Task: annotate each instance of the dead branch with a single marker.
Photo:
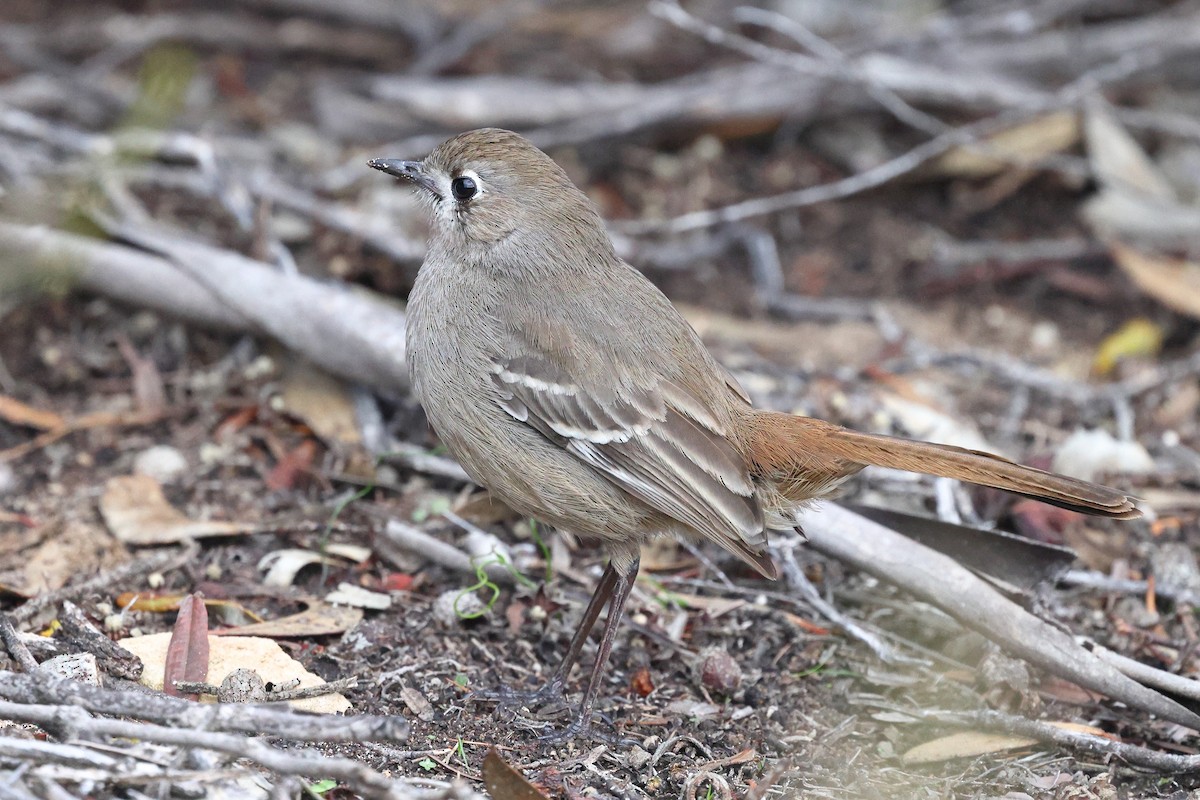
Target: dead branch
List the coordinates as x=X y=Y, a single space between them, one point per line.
x=347 y=333
x=940 y=580
x=141 y=704
x=74 y=723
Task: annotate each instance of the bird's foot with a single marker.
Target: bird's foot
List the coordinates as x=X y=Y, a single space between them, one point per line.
x=548 y=694
x=581 y=728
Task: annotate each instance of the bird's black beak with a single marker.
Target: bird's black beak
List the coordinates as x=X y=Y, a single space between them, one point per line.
x=413 y=171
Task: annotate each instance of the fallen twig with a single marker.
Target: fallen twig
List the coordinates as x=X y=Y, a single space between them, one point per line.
x=75 y=722
x=142 y=704
x=940 y=580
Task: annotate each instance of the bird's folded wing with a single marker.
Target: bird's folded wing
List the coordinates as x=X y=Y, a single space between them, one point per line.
x=660 y=444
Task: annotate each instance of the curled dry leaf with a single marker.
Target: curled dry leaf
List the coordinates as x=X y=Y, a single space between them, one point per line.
x=284 y=565
x=1138 y=337
x=263 y=656
x=1119 y=161
x=135 y=510
x=1090 y=455
x=1135 y=201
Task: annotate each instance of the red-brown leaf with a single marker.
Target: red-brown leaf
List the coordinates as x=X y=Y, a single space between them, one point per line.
x=187 y=654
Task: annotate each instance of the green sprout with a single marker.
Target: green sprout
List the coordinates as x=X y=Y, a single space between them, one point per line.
x=484 y=581
x=542 y=547
x=319 y=788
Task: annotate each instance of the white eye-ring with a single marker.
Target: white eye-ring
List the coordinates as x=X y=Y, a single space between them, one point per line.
x=465 y=186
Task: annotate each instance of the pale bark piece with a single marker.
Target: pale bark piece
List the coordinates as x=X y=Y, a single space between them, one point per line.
x=347 y=594
x=319 y=619
x=263 y=656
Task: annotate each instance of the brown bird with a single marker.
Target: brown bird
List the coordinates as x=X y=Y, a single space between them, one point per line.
x=568 y=385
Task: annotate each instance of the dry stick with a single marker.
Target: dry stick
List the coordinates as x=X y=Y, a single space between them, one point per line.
x=1144 y=673
x=1066 y=97
x=349 y=333
x=798 y=582
x=71 y=755
x=846 y=187
x=267 y=720
x=150 y=281
x=77 y=722
x=416 y=541
x=419 y=459
x=1089 y=579
x=16 y=648
x=938 y=579
x=887 y=97
x=1012 y=370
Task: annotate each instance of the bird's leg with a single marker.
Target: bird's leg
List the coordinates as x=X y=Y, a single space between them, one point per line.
x=622 y=585
x=553 y=689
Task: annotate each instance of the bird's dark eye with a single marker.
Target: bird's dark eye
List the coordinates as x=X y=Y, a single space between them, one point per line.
x=463 y=188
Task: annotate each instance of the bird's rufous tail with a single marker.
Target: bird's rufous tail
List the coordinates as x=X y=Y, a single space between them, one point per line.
x=807 y=457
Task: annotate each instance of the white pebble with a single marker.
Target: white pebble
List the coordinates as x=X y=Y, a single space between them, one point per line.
x=162 y=462
x=456 y=606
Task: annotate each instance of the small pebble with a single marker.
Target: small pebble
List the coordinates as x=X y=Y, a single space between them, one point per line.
x=717 y=671
x=261 y=367
x=162 y=462
x=637 y=757
x=8 y=478
x=1044 y=337
x=454 y=607
x=80 y=667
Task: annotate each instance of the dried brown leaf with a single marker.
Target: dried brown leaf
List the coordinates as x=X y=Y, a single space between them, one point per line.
x=503 y=782
x=135 y=510
x=187 y=653
x=1174 y=282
